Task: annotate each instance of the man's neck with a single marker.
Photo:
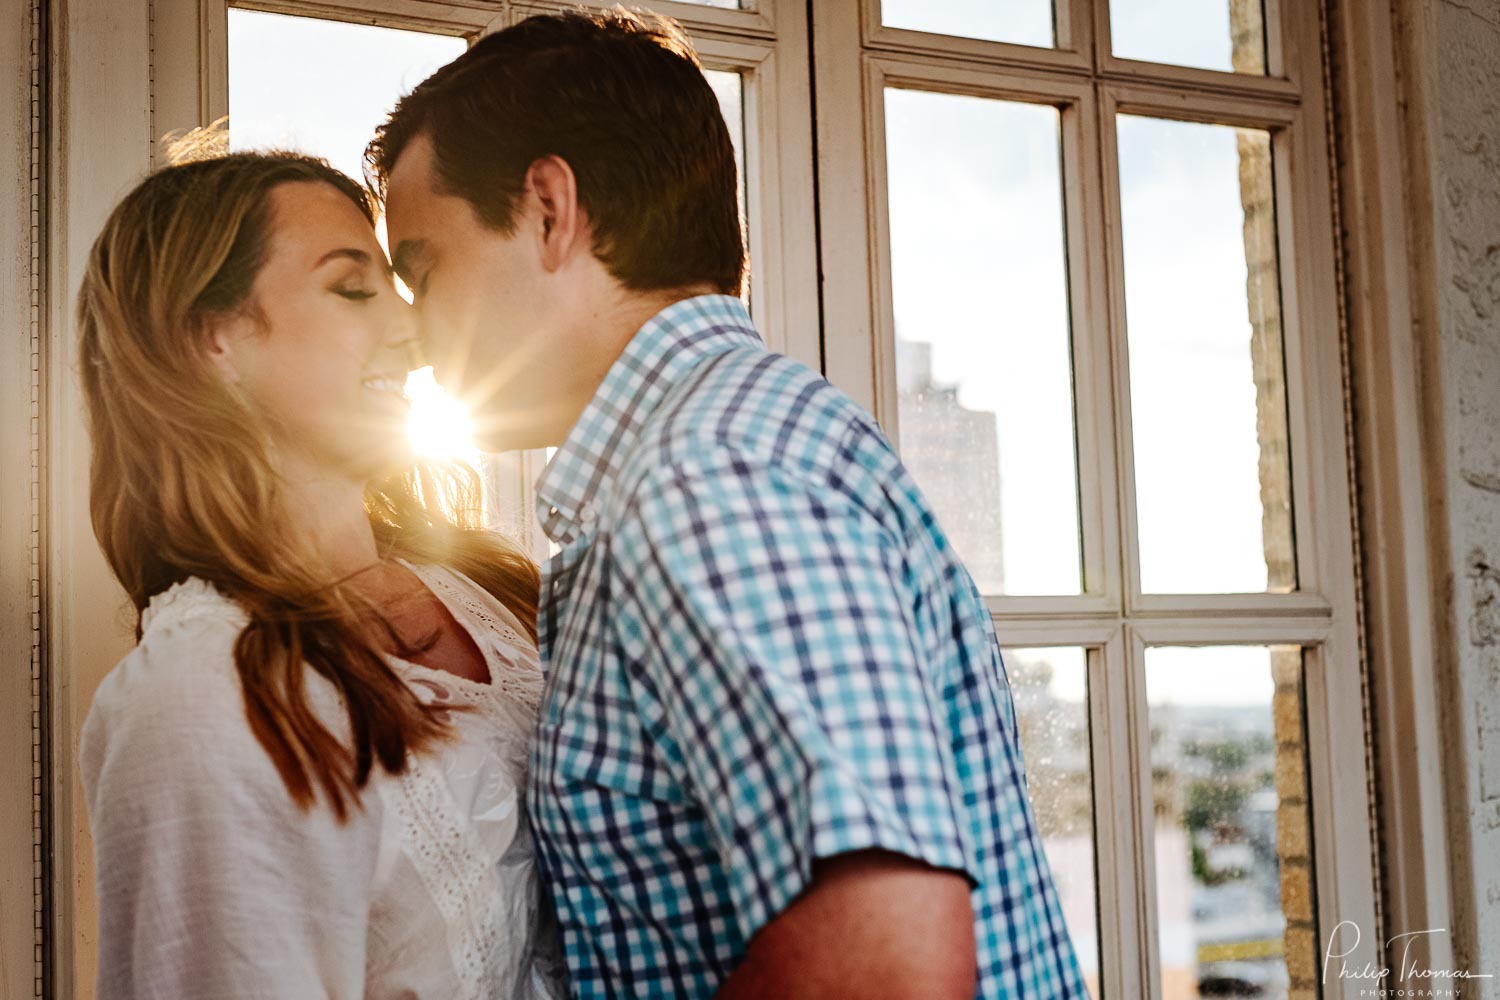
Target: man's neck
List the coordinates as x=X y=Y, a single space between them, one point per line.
x=601 y=335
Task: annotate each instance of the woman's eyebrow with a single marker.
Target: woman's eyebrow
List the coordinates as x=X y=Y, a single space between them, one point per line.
x=349 y=253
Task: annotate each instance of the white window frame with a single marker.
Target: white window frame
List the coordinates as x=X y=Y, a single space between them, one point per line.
x=855 y=57
x=21 y=502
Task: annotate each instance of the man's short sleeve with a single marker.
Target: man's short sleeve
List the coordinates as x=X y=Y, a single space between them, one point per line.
x=770 y=625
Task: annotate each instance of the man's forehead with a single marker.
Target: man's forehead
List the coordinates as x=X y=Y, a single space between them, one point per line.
x=411 y=175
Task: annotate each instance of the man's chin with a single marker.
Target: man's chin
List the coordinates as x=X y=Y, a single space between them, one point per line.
x=501 y=432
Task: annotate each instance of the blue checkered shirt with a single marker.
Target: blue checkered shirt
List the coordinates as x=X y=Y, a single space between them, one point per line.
x=761 y=651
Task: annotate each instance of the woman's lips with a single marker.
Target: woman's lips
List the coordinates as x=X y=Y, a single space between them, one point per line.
x=385 y=384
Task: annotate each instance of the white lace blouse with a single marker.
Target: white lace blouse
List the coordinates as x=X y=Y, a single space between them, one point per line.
x=212 y=883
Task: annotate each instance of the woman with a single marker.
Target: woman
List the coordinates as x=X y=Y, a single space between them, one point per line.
x=306 y=779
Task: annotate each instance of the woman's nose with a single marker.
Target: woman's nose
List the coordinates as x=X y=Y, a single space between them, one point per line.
x=403 y=336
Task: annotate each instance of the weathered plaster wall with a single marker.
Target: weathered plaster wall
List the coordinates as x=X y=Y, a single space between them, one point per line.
x=1462 y=131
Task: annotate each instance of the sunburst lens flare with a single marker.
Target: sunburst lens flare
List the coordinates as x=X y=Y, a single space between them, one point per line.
x=438 y=425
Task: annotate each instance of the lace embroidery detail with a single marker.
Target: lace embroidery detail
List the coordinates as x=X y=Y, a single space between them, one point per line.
x=456 y=870
x=515 y=669
x=495 y=617
x=192 y=598
x=508 y=710
x=456 y=850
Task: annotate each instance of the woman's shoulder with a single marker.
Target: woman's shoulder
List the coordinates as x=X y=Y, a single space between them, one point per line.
x=185 y=653
x=176 y=697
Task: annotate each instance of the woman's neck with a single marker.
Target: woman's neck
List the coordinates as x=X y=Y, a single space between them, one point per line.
x=328 y=520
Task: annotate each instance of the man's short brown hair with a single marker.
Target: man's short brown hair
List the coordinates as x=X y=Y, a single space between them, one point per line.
x=622 y=98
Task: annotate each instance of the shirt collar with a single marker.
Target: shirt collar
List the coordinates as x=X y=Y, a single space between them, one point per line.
x=659 y=355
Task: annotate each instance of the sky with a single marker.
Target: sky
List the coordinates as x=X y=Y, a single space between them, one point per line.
x=977 y=258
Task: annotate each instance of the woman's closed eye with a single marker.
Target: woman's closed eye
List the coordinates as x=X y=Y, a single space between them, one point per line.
x=355 y=294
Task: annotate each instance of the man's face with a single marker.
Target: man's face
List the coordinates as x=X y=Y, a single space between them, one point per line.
x=485 y=305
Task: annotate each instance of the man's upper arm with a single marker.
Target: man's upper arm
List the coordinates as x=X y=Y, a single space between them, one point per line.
x=775 y=640
x=872 y=925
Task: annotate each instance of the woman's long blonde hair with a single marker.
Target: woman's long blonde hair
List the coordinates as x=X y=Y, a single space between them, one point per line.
x=184 y=477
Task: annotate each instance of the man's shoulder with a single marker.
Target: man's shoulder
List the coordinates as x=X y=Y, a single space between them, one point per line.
x=766 y=410
x=770 y=421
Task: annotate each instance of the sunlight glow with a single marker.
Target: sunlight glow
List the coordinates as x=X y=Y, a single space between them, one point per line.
x=439 y=425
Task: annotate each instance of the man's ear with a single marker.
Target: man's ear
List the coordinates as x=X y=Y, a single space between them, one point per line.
x=563 y=225
x=222 y=337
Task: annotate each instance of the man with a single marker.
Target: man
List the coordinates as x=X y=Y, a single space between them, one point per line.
x=778 y=755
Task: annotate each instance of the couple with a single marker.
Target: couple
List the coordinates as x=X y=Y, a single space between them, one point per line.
x=746 y=734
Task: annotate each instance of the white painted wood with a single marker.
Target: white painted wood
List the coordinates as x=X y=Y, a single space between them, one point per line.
x=1012 y=607
x=413 y=15
x=760 y=21
x=100 y=147
x=1397 y=501
x=844 y=201
x=20 y=726
x=1042 y=633
x=949 y=76
x=977 y=50
x=1146 y=97
x=1141 y=834
x=1298 y=604
x=190 y=72
x=883 y=347
x=1279 y=45
x=1115 y=333
x=1124 y=912
x=1099 y=482
x=1244 y=86
x=1250 y=630
x=1344 y=831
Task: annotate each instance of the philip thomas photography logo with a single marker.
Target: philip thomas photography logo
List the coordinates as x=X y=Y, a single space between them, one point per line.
x=1409 y=979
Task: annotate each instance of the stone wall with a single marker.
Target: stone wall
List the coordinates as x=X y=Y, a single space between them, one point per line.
x=1457 y=112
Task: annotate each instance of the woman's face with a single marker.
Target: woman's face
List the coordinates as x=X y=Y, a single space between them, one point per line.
x=321 y=353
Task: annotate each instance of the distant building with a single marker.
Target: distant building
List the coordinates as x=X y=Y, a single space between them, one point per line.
x=954 y=454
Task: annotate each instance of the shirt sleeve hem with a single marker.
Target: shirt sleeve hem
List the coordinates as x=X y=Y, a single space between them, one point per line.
x=831 y=844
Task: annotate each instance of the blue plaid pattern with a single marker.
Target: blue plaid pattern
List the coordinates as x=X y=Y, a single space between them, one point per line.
x=761 y=651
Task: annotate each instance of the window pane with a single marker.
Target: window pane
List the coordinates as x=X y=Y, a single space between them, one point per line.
x=1233 y=847
x=1022 y=22
x=729 y=88
x=1207 y=381
x=1050 y=687
x=1227 y=35
x=983 y=348
x=322 y=86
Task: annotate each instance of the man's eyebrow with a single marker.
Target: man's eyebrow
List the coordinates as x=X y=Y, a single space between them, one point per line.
x=408 y=252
